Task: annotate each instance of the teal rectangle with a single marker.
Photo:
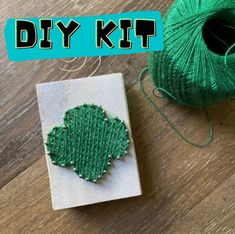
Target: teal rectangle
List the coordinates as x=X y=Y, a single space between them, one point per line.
x=83 y=41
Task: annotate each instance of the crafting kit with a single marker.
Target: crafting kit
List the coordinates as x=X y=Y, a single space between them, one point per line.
x=85 y=122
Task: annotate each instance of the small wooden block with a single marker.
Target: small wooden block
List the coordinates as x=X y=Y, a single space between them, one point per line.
x=122 y=179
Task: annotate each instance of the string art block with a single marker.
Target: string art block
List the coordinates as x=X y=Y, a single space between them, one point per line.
x=102 y=137
x=88 y=141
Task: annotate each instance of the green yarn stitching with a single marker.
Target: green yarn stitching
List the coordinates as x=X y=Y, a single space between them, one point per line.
x=88 y=141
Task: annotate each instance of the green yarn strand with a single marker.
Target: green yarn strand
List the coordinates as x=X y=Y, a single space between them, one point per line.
x=155 y=106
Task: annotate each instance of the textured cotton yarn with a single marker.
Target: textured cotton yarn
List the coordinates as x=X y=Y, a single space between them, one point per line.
x=197 y=66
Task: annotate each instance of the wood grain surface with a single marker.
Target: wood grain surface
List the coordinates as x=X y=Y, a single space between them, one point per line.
x=185 y=189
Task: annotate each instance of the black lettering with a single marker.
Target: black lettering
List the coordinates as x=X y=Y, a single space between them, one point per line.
x=68 y=31
x=125 y=25
x=103 y=32
x=29 y=28
x=46 y=25
x=145 y=29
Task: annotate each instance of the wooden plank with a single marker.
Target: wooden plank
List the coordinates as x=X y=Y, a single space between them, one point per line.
x=175 y=176
x=215 y=214
x=179 y=181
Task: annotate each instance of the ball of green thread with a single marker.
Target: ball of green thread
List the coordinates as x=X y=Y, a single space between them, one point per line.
x=190 y=70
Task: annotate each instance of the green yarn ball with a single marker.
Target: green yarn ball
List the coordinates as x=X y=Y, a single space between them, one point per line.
x=197 y=66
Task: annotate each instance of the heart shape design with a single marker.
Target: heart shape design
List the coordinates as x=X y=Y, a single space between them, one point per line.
x=88 y=141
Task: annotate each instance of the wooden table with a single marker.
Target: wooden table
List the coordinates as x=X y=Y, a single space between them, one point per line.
x=185 y=189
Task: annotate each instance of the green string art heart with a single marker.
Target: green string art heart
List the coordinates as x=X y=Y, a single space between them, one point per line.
x=88 y=141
